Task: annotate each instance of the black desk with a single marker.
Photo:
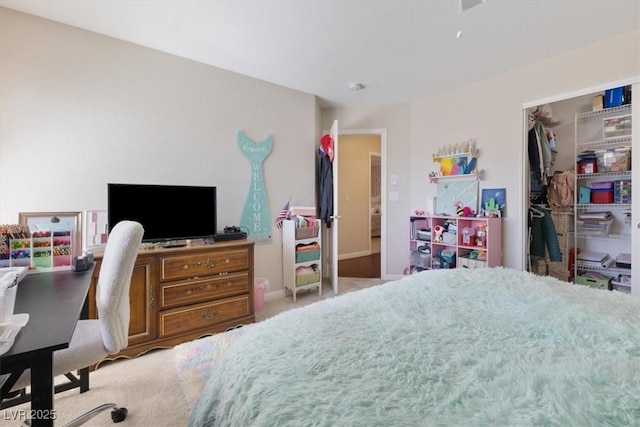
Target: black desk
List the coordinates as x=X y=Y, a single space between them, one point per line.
x=54 y=302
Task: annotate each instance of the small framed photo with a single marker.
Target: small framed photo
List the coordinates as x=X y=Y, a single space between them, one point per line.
x=94 y=229
x=454 y=165
x=616 y=127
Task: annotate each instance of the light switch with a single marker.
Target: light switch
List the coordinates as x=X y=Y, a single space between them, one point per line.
x=394 y=179
x=393 y=196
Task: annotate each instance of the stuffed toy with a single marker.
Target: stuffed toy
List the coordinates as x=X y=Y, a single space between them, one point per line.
x=438 y=230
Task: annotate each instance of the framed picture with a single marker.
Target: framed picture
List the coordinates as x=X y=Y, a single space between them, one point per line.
x=455 y=165
x=94 y=229
x=56 y=223
x=493 y=202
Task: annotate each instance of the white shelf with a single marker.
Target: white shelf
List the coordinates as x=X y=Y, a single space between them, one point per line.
x=289 y=264
x=476 y=175
x=603 y=112
x=589 y=135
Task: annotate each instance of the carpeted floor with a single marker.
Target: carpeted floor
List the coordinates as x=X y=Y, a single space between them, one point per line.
x=153 y=399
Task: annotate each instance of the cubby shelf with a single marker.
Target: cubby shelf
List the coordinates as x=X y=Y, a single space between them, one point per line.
x=426 y=252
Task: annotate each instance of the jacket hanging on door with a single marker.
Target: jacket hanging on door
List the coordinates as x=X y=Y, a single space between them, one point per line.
x=325 y=179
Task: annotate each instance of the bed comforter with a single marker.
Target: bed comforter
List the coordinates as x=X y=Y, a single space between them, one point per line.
x=485 y=347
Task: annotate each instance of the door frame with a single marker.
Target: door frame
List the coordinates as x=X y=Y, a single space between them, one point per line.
x=524 y=191
x=382 y=133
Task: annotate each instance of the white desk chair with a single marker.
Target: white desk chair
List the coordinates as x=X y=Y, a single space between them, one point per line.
x=94 y=339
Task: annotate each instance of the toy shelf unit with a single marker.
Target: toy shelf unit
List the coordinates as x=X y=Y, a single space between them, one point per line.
x=301 y=255
x=454 y=242
x=603 y=208
x=44 y=250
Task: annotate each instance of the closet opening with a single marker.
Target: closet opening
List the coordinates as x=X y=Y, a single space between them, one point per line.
x=572 y=215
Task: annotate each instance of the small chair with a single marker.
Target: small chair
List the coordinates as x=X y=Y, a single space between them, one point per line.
x=94 y=339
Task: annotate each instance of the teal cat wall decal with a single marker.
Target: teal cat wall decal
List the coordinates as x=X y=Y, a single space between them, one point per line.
x=256 y=217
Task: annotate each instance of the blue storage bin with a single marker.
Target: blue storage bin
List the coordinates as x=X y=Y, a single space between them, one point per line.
x=613 y=97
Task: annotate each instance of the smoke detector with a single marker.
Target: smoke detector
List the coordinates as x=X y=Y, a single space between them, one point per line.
x=355 y=86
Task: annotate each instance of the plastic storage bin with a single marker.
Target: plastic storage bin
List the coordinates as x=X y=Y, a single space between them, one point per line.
x=601 y=196
x=594 y=280
x=588 y=166
x=260 y=285
x=595 y=228
x=614 y=160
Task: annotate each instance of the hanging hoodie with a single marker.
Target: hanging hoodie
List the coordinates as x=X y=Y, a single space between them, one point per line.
x=325 y=179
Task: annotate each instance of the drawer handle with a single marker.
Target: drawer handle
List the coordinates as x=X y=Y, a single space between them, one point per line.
x=209 y=315
x=194 y=265
x=196 y=290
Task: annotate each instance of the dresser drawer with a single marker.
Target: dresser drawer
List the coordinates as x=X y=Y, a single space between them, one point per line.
x=200 y=290
x=201 y=316
x=203 y=264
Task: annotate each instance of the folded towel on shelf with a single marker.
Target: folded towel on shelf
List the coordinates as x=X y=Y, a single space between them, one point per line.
x=301 y=271
x=307 y=248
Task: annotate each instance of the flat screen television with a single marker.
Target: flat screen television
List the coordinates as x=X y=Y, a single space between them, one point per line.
x=167 y=212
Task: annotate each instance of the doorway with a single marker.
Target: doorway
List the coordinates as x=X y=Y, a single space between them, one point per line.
x=360 y=172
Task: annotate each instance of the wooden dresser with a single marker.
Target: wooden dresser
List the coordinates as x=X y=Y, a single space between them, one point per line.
x=179 y=294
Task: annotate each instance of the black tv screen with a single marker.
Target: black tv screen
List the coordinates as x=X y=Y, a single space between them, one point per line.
x=167 y=212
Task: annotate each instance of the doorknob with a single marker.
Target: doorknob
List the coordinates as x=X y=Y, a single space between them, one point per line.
x=638 y=225
x=340 y=217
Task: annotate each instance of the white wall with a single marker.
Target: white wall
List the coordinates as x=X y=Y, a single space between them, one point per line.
x=491 y=111
x=80 y=110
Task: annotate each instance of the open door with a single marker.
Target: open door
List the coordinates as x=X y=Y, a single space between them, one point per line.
x=333 y=232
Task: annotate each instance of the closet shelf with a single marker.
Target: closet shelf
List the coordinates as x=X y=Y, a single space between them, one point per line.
x=607 y=237
x=597 y=206
x=606 y=143
x=603 y=269
x=619 y=109
x=623 y=174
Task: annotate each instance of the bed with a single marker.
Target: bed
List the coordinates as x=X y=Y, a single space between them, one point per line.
x=481 y=347
x=376 y=216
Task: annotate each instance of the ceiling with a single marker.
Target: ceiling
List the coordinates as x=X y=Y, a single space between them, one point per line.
x=401 y=51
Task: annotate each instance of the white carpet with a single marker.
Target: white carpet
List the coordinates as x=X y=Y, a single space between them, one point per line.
x=147 y=386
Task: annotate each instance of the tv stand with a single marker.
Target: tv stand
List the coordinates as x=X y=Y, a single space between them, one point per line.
x=182 y=294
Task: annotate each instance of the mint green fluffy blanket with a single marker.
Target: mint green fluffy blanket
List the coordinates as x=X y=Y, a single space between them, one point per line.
x=485 y=347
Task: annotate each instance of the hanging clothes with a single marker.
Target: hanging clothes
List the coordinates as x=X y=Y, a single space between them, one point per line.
x=325 y=179
x=535 y=159
x=545 y=148
x=543 y=234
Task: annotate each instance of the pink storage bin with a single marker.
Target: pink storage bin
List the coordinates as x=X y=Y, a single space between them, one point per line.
x=260 y=284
